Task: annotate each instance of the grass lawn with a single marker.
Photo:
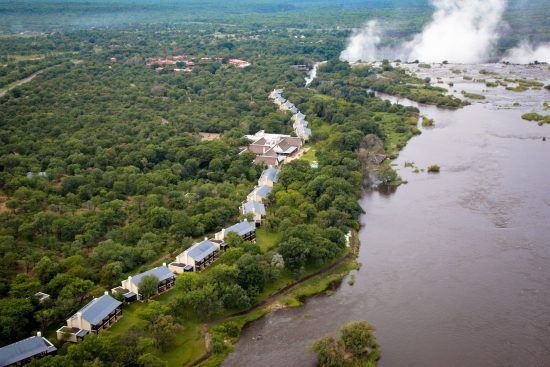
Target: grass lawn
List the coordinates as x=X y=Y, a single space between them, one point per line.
x=129 y=318
x=310 y=155
x=189 y=343
x=266 y=240
x=189 y=346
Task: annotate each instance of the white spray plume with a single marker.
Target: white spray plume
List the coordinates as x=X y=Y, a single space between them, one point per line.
x=460 y=31
x=526 y=53
x=363 y=44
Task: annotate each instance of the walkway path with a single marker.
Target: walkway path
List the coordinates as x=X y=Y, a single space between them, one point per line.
x=20 y=82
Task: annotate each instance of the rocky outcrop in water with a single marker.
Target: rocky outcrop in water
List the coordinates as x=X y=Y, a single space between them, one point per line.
x=371 y=154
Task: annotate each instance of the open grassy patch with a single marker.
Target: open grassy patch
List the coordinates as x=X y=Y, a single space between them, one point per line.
x=267 y=240
x=189 y=346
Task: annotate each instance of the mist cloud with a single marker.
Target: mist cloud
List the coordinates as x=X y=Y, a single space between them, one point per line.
x=526 y=53
x=363 y=44
x=460 y=31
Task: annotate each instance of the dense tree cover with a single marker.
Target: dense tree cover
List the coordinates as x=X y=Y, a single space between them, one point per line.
x=356 y=346
x=121 y=186
x=401 y=18
x=15 y=69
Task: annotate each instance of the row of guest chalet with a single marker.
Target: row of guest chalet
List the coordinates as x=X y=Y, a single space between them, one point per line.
x=298 y=118
x=276 y=149
x=254 y=204
x=102 y=312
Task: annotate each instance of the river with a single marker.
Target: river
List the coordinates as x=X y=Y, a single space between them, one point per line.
x=456 y=265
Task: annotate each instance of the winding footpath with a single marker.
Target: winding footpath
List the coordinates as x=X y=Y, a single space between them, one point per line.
x=20 y=82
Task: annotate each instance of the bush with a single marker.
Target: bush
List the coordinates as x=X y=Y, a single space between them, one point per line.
x=426 y=121
x=433 y=168
x=357 y=337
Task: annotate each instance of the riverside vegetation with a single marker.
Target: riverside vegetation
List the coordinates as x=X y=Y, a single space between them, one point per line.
x=355 y=347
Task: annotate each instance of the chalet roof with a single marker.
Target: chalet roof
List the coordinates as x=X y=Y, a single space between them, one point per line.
x=23 y=349
x=288 y=104
x=299 y=116
x=262 y=191
x=289 y=150
x=253 y=206
x=241 y=228
x=271 y=173
x=266 y=160
x=300 y=123
x=161 y=272
x=271 y=152
x=98 y=308
x=257 y=149
x=201 y=250
x=290 y=142
x=293 y=109
x=260 y=141
x=301 y=131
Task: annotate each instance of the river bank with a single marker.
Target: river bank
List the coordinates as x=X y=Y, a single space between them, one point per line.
x=452 y=262
x=295 y=294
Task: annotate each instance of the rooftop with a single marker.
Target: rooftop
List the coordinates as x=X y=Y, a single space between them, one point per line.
x=270 y=173
x=262 y=191
x=201 y=250
x=161 y=272
x=98 y=308
x=253 y=206
x=24 y=349
x=300 y=130
x=263 y=138
x=241 y=228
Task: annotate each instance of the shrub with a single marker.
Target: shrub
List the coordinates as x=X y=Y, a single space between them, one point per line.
x=433 y=168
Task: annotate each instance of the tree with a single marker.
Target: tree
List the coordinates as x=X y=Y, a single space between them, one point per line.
x=294 y=253
x=387 y=174
x=329 y=352
x=251 y=274
x=24 y=286
x=277 y=261
x=148 y=286
x=111 y=272
x=357 y=337
x=46 y=269
x=77 y=290
x=15 y=317
x=235 y=297
x=164 y=330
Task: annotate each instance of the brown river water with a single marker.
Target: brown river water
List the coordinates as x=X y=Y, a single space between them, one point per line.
x=456 y=265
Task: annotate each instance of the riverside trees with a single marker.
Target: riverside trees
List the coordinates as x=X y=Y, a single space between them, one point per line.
x=356 y=346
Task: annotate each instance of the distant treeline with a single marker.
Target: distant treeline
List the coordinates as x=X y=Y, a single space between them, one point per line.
x=401 y=18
